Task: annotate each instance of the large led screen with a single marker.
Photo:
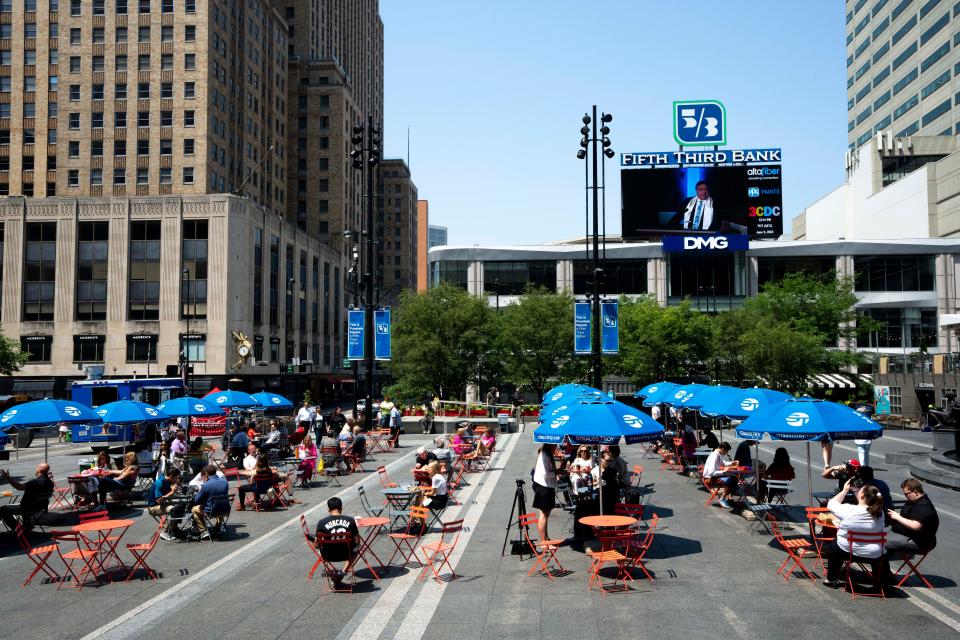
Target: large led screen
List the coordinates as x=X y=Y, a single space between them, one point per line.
x=702 y=200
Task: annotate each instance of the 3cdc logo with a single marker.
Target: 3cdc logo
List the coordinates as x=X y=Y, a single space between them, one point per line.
x=763 y=212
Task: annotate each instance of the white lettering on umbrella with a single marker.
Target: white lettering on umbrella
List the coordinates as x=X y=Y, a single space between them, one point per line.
x=8 y=415
x=200 y=408
x=559 y=422
x=797 y=419
x=652 y=390
x=632 y=421
x=749 y=404
x=72 y=411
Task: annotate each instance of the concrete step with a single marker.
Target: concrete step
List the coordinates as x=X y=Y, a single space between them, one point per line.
x=925 y=469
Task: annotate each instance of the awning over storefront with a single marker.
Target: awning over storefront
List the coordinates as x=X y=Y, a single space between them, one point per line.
x=831 y=381
x=33 y=387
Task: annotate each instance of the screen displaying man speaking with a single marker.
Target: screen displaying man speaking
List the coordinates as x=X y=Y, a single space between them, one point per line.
x=702 y=200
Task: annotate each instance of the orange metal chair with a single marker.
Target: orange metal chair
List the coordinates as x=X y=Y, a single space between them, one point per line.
x=906 y=557
x=631 y=510
x=821 y=538
x=312 y=545
x=545 y=551
x=330 y=569
x=637 y=548
x=86 y=557
x=611 y=541
x=38 y=555
x=861 y=537
x=796 y=548
x=62 y=498
x=441 y=551
x=406 y=541
x=141 y=551
x=384 y=480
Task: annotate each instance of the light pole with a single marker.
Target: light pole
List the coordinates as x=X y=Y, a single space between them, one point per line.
x=496 y=286
x=287 y=322
x=186 y=338
x=597 y=138
x=366 y=154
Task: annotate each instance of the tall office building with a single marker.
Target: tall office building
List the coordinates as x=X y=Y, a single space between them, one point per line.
x=436 y=236
x=142 y=97
x=423 y=221
x=398 y=230
x=335 y=83
x=903 y=57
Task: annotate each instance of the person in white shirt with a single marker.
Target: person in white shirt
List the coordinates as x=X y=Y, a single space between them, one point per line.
x=698 y=214
x=715 y=471
x=304 y=416
x=581 y=467
x=864 y=517
x=544 y=488
x=273 y=438
x=250 y=461
x=438 y=487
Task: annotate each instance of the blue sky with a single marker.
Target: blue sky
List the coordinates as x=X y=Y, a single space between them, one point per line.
x=493 y=93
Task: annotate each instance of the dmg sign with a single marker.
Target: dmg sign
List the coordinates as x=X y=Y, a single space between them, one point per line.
x=706 y=243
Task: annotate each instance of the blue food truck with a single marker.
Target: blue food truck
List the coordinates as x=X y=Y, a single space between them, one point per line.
x=94 y=393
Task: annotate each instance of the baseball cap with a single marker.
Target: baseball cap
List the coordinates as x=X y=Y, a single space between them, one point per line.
x=853 y=463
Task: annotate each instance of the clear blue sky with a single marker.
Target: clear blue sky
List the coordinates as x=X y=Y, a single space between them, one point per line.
x=493 y=92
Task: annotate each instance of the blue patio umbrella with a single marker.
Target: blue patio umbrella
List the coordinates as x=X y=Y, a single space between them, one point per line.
x=567 y=392
x=129 y=411
x=651 y=388
x=597 y=422
x=739 y=404
x=41 y=413
x=808 y=419
x=189 y=406
x=702 y=396
x=684 y=393
x=232 y=399
x=272 y=400
x=659 y=395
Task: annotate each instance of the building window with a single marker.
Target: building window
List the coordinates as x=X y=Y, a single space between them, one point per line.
x=274 y=281
x=894 y=273
x=711 y=281
x=189 y=90
x=73 y=178
x=96 y=177
x=188 y=118
x=194 y=255
x=188 y=175
x=622 y=276
x=144 y=285
x=88 y=348
x=141 y=348
x=194 y=347
x=39 y=348
x=120 y=91
x=143 y=62
x=39 y=277
x=166 y=118
x=166 y=175
x=120 y=63
x=901 y=328
x=188 y=146
x=120 y=35
x=190 y=61
x=190 y=33
x=896 y=401
x=451 y=271
x=92 y=253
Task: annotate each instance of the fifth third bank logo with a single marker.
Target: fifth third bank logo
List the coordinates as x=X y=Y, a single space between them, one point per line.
x=699 y=122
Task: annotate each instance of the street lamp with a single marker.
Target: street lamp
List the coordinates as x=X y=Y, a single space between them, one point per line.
x=366 y=154
x=496 y=286
x=598 y=139
x=186 y=337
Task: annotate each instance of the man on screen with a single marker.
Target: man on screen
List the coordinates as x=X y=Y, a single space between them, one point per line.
x=698 y=214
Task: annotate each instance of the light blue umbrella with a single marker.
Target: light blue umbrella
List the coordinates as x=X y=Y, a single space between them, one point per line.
x=41 y=413
x=807 y=419
x=739 y=404
x=684 y=393
x=566 y=392
x=652 y=388
x=272 y=400
x=664 y=390
x=129 y=411
x=188 y=406
x=702 y=396
x=232 y=399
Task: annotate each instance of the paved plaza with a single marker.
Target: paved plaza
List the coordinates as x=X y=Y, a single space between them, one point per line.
x=711 y=575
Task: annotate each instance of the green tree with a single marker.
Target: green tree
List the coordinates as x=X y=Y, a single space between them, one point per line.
x=537 y=335
x=782 y=355
x=726 y=360
x=658 y=343
x=11 y=358
x=441 y=341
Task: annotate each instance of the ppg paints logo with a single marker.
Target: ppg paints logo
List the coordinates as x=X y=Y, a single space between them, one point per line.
x=749 y=404
x=798 y=419
x=753 y=192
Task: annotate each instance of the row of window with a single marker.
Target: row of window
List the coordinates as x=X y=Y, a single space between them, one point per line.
x=120 y=176
x=91 y=348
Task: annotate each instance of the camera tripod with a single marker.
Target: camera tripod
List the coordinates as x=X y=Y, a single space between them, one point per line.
x=519 y=507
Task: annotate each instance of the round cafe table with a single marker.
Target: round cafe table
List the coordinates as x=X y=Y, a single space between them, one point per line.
x=375 y=526
x=104 y=544
x=608 y=522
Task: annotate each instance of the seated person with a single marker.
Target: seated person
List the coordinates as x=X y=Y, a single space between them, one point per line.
x=688 y=441
x=263 y=479
x=328 y=440
x=272 y=440
x=717 y=470
x=337 y=523
x=744 y=453
x=197 y=454
x=865 y=517
x=238 y=444
x=307 y=455
x=580 y=469
x=486 y=443
x=460 y=444
x=619 y=464
x=104 y=462
x=178 y=447
x=914 y=529
x=358 y=448
x=606 y=474
x=708 y=438
x=158 y=499
x=779 y=469
x=423 y=457
x=120 y=480
x=250 y=461
x=210 y=499
x=346 y=437
x=865 y=476
x=197 y=482
x=36 y=497
x=437 y=492
x=842 y=472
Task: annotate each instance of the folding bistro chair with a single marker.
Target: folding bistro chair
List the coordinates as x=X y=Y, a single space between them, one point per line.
x=330 y=569
x=216 y=515
x=545 y=551
x=630 y=510
x=38 y=555
x=611 y=543
x=796 y=548
x=637 y=548
x=62 y=498
x=861 y=537
x=822 y=537
x=83 y=555
x=406 y=540
x=331 y=463
x=313 y=546
x=914 y=566
x=141 y=551
x=715 y=487
x=384 y=480
x=110 y=541
x=370 y=510
x=440 y=551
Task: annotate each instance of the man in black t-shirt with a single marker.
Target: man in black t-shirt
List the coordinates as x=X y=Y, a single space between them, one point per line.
x=914 y=529
x=337 y=523
x=36 y=497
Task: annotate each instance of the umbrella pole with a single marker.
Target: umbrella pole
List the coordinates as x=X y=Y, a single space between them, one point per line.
x=45 y=446
x=809 y=478
x=600 y=479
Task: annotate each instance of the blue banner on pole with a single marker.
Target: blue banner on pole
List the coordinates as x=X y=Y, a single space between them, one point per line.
x=355 y=334
x=381 y=341
x=610 y=331
x=581 y=327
